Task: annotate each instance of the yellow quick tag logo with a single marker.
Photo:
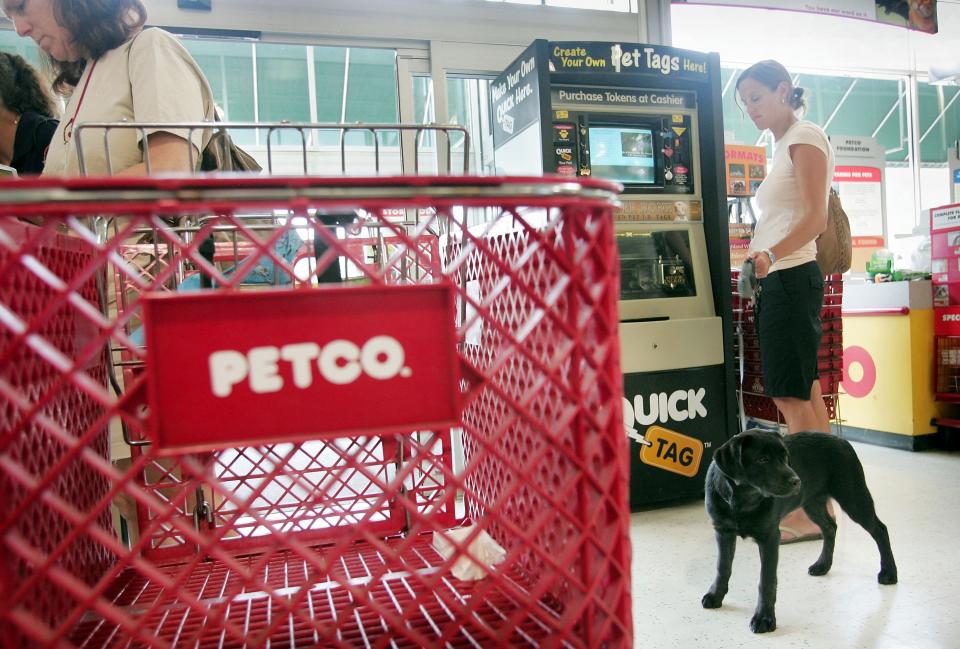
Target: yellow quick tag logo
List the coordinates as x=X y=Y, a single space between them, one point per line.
x=672 y=451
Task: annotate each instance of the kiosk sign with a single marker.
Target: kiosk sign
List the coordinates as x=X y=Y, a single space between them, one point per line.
x=627 y=59
x=231 y=368
x=623 y=97
x=516 y=98
x=672 y=451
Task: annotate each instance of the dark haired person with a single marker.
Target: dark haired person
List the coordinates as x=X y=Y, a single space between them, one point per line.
x=113 y=69
x=27 y=119
x=793 y=212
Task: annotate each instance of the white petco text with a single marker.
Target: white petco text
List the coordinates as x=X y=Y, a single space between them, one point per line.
x=338 y=362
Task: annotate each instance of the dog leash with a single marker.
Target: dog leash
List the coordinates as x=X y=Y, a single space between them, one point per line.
x=747 y=287
x=743 y=412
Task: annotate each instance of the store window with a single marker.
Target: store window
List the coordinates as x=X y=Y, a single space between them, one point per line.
x=329 y=65
x=371 y=97
x=841 y=105
x=938 y=126
x=283 y=88
x=468 y=104
x=938 y=121
x=10 y=42
x=271 y=82
x=228 y=66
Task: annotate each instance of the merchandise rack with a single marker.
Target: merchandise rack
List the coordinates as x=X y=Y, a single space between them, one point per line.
x=324 y=542
x=755 y=404
x=946 y=343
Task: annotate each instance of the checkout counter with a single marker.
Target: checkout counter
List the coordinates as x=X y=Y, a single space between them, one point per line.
x=887 y=392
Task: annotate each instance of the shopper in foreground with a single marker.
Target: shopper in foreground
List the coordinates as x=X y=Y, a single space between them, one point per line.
x=112 y=69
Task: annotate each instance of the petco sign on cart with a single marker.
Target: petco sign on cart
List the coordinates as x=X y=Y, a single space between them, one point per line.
x=230 y=368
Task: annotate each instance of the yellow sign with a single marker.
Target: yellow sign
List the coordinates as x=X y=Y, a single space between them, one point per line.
x=561 y=114
x=679 y=130
x=672 y=451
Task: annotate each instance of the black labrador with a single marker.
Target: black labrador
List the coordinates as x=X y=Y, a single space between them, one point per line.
x=758 y=477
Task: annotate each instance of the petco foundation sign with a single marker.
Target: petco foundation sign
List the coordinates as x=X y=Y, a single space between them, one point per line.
x=233 y=369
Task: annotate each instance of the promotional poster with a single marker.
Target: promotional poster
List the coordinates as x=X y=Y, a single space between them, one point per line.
x=859 y=178
x=920 y=15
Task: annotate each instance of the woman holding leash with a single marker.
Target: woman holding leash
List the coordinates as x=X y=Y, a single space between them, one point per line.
x=793 y=212
x=113 y=69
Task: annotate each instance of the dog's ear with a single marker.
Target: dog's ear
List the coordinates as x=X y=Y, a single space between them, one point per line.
x=728 y=457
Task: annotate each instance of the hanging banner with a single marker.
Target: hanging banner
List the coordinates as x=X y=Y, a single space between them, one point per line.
x=920 y=15
x=858 y=177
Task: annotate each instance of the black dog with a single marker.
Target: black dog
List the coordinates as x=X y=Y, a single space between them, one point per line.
x=757 y=477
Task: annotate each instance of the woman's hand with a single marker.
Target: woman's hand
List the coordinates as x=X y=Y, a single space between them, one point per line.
x=761 y=264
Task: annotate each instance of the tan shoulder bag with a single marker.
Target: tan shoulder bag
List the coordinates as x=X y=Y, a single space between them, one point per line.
x=834 y=245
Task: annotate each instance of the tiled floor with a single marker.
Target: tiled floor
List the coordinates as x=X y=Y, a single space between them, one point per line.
x=917 y=496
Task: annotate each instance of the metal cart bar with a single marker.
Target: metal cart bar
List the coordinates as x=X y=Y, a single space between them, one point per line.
x=181 y=190
x=376 y=130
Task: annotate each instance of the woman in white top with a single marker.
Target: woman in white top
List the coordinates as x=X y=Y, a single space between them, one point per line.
x=112 y=69
x=793 y=212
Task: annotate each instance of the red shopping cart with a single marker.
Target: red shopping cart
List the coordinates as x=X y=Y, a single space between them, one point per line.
x=234 y=463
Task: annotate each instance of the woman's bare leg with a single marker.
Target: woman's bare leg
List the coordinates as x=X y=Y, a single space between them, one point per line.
x=820 y=409
x=800 y=415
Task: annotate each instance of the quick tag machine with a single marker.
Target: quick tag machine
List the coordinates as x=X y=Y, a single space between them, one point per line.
x=648 y=117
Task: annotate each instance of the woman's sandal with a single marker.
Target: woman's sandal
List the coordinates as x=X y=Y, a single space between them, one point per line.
x=789 y=535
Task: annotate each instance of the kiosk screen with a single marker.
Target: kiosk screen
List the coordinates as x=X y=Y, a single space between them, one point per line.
x=623 y=154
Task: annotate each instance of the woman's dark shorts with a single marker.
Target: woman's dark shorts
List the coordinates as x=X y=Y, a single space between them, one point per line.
x=788 y=325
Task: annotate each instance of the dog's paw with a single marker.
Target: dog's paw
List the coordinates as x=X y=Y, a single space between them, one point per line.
x=712 y=600
x=763 y=623
x=819 y=569
x=887 y=577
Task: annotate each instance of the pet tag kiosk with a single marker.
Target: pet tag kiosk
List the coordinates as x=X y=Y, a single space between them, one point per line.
x=648 y=117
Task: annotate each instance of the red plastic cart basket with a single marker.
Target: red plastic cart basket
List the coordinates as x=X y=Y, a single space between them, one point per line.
x=139 y=510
